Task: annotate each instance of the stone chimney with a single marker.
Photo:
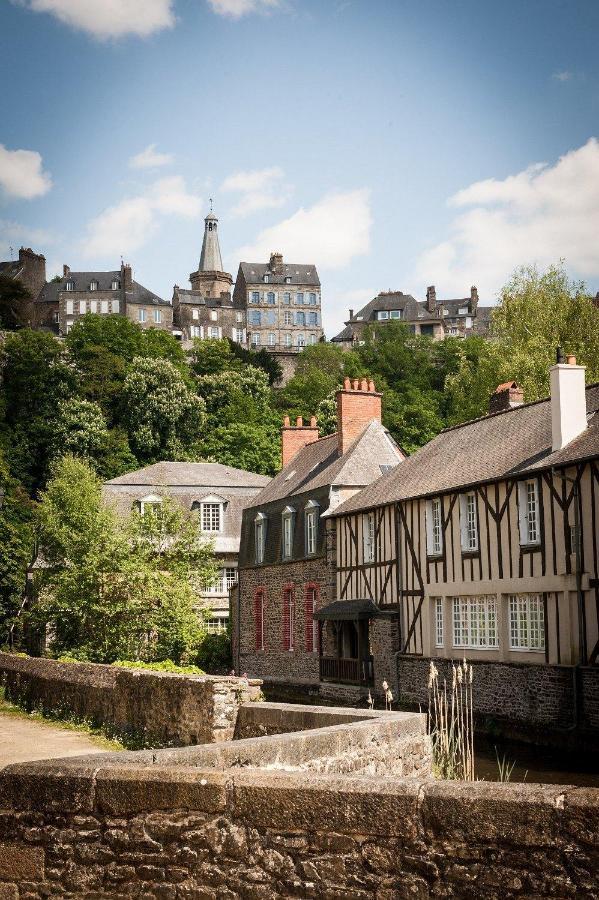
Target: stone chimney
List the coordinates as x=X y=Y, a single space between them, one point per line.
x=506 y=396
x=276 y=263
x=358 y=404
x=568 y=401
x=431 y=299
x=126 y=277
x=473 y=299
x=295 y=437
x=66 y=271
x=351 y=313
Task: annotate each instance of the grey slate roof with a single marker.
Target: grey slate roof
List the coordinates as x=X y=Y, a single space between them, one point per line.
x=319 y=464
x=300 y=274
x=190 y=474
x=495 y=447
x=11 y=267
x=210 y=258
x=196 y=298
x=81 y=282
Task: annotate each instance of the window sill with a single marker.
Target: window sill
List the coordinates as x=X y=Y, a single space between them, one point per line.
x=530 y=548
x=434 y=557
x=470 y=554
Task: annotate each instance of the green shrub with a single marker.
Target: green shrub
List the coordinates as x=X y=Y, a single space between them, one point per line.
x=214 y=654
x=167 y=665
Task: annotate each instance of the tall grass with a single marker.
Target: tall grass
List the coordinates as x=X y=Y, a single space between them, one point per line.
x=451 y=723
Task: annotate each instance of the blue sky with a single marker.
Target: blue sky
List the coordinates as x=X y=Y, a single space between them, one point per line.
x=394 y=143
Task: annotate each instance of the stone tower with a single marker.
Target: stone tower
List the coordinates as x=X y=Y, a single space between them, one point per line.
x=210 y=280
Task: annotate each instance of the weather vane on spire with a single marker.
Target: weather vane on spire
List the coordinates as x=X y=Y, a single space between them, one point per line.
x=211 y=204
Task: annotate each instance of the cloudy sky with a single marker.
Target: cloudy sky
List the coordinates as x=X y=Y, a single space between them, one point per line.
x=394 y=143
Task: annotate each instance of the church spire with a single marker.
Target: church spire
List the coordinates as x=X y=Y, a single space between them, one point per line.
x=210 y=259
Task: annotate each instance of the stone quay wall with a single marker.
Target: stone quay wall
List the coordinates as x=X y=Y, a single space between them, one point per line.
x=537 y=696
x=181 y=833
x=157 y=707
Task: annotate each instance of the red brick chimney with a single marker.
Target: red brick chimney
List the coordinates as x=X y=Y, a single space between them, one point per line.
x=506 y=396
x=295 y=437
x=358 y=404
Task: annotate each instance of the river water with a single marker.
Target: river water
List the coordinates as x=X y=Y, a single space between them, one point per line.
x=536 y=765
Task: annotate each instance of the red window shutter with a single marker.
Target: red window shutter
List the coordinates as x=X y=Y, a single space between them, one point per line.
x=259 y=619
x=286 y=619
x=310 y=624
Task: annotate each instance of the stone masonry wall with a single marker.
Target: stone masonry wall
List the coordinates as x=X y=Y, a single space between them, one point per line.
x=163 y=709
x=179 y=834
x=536 y=695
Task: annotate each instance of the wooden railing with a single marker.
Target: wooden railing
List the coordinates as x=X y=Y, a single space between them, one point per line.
x=354 y=671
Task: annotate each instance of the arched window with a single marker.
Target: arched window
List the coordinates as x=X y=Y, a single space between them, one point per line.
x=311 y=513
x=288 y=618
x=259 y=537
x=288 y=523
x=311 y=627
x=270 y=298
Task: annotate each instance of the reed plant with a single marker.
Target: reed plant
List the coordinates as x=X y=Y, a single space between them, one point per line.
x=451 y=722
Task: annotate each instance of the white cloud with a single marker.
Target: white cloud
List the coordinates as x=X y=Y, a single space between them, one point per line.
x=126 y=227
x=259 y=189
x=21 y=174
x=235 y=9
x=150 y=159
x=105 y=19
x=329 y=234
x=339 y=302
x=562 y=76
x=13 y=233
x=540 y=215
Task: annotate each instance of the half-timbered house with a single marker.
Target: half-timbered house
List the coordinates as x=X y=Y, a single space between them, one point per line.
x=484 y=543
x=284 y=576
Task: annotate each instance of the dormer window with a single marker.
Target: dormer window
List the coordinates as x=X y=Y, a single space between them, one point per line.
x=211 y=515
x=116 y=284
x=69 y=286
x=259 y=537
x=311 y=513
x=93 y=285
x=382 y=314
x=149 y=505
x=287 y=279
x=463 y=311
x=288 y=528
x=266 y=279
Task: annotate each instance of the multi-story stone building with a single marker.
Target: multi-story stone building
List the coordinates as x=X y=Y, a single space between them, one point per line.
x=30 y=270
x=431 y=318
x=106 y=293
x=207 y=310
x=283 y=575
x=283 y=302
x=215 y=493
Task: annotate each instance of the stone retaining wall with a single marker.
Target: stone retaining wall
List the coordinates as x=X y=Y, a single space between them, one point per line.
x=187 y=834
x=157 y=707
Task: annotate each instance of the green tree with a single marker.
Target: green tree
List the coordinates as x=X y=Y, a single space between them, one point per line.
x=115 y=334
x=210 y=357
x=251 y=447
x=16 y=306
x=80 y=429
x=113 y=589
x=163 y=417
x=302 y=393
x=16 y=547
x=101 y=377
x=227 y=388
x=328 y=358
x=157 y=344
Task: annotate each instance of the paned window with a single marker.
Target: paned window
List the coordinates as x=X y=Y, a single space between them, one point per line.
x=475 y=622
x=259 y=537
x=396 y=313
x=368 y=537
x=312 y=298
x=527 y=622
x=288 y=619
x=255 y=317
x=287 y=317
x=93 y=306
x=196 y=331
x=214 y=331
x=69 y=307
x=158 y=316
x=195 y=314
x=434 y=527
x=259 y=618
x=211 y=514
x=288 y=340
x=287 y=297
x=311 y=625
x=288 y=522
x=312 y=338
x=311 y=525
x=239 y=317
x=115 y=285
x=382 y=314
x=239 y=335
x=529 y=512
x=300 y=318
x=229 y=578
x=69 y=285
x=141 y=315
x=256 y=339
x=439 y=630
x=301 y=340
x=299 y=299
x=266 y=279
x=93 y=285
x=270 y=298
x=103 y=306
x=469 y=522
x=213 y=315
x=272 y=339
x=116 y=306
x=255 y=297
x=312 y=318
x=82 y=307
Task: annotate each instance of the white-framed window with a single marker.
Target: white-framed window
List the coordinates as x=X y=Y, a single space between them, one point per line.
x=396 y=313
x=141 y=315
x=196 y=331
x=239 y=335
x=157 y=316
x=266 y=278
x=288 y=340
x=149 y=504
x=529 y=519
x=211 y=516
x=239 y=317
x=312 y=299
x=116 y=305
x=215 y=331
x=103 y=306
x=287 y=317
x=272 y=339
x=299 y=298
x=254 y=296
x=463 y=311
x=213 y=315
x=382 y=314
x=195 y=314
x=271 y=298
x=439 y=622
x=368 y=537
x=93 y=285
x=468 y=522
x=312 y=338
x=287 y=279
x=229 y=578
x=475 y=622
x=255 y=339
x=93 y=306
x=82 y=307
x=311 y=512
x=69 y=286
x=69 y=325
x=69 y=307
x=115 y=284
x=434 y=527
x=259 y=537
x=287 y=295
x=526 y=622
x=288 y=519
x=301 y=340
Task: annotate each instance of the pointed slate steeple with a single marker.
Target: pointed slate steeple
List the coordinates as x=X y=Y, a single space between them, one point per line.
x=210 y=279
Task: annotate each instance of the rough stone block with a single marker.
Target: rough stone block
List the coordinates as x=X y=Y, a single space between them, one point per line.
x=20 y=863
x=46 y=786
x=9 y=892
x=130 y=790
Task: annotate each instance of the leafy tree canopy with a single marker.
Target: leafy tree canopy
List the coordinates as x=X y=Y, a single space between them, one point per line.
x=16 y=308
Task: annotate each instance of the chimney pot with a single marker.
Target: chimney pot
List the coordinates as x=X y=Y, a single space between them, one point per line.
x=295 y=437
x=364 y=384
x=506 y=396
x=351 y=313
x=346 y=384
x=286 y=422
x=356 y=385
x=371 y=385
x=312 y=421
x=299 y=422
